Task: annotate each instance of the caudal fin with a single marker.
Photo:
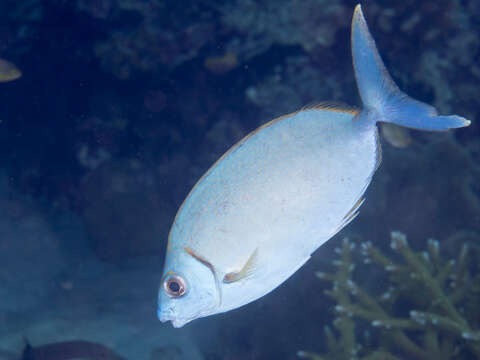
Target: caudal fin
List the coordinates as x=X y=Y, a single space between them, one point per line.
x=381 y=97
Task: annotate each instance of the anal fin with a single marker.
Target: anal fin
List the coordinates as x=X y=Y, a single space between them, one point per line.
x=353 y=212
x=349 y=216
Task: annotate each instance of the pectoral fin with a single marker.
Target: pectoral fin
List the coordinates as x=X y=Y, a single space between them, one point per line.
x=246 y=271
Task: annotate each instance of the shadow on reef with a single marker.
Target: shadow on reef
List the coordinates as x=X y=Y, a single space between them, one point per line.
x=428 y=308
x=70 y=350
x=86 y=350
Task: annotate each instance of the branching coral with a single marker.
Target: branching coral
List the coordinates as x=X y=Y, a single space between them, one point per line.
x=437 y=294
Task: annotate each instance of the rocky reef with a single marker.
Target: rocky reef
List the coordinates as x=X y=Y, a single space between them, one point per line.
x=423 y=306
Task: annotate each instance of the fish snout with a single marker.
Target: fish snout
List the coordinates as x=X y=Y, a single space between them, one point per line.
x=169 y=314
x=166 y=314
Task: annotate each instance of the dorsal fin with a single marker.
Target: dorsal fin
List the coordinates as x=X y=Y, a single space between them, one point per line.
x=331 y=106
x=245 y=271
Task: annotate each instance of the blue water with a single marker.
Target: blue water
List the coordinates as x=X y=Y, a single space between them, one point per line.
x=123 y=105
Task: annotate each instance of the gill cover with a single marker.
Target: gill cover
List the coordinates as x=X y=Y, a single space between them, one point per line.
x=194 y=293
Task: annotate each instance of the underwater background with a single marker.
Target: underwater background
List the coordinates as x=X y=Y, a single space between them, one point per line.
x=123 y=104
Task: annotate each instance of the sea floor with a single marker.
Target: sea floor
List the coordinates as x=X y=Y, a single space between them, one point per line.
x=112 y=307
x=51 y=293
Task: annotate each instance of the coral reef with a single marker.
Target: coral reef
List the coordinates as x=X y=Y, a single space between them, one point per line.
x=149 y=38
x=424 y=309
x=299 y=81
x=152 y=34
x=259 y=25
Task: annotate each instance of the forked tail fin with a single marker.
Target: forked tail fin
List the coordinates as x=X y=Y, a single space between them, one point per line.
x=381 y=97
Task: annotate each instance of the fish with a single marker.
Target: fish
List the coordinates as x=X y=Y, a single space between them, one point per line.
x=395 y=135
x=221 y=64
x=9 y=71
x=261 y=210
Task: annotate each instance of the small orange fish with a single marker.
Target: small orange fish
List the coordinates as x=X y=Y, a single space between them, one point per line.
x=8 y=71
x=221 y=64
x=395 y=135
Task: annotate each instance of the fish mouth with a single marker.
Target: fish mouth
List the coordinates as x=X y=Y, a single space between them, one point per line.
x=179 y=323
x=169 y=315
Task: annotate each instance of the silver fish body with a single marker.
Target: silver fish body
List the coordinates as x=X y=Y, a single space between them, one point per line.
x=277 y=195
x=264 y=207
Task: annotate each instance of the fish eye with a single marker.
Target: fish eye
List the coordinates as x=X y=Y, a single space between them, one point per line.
x=175 y=286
